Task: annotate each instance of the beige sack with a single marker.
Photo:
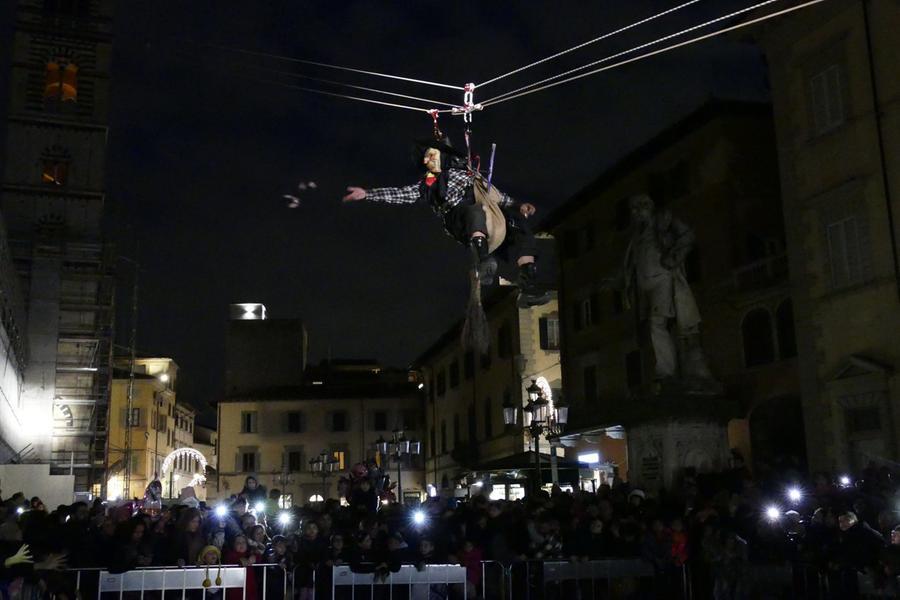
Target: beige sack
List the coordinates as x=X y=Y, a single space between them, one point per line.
x=490 y=202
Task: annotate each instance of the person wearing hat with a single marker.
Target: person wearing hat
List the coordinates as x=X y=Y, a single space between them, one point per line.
x=449 y=187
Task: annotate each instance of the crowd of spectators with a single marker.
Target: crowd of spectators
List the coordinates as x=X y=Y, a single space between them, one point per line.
x=829 y=529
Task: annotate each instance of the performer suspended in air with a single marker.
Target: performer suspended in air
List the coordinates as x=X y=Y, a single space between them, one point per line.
x=450 y=188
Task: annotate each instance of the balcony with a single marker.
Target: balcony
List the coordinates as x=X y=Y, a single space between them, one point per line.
x=761 y=274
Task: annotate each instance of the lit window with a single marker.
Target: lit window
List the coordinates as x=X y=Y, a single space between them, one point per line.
x=316 y=498
x=341 y=457
x=61 y=83
x=55 y=165
x=285 y=501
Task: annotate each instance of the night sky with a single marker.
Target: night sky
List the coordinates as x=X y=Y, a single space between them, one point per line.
x=200 y=155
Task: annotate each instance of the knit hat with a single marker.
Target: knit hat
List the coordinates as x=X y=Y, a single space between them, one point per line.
x=201 y=560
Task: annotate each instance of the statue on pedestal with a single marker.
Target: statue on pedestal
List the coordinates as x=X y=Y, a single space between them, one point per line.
x=654 y=283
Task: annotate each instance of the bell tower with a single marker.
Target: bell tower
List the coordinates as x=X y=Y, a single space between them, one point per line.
x=52 y=195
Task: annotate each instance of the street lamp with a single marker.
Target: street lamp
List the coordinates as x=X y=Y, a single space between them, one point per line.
x=398 y=447
x=323 y=465
x=538 y=419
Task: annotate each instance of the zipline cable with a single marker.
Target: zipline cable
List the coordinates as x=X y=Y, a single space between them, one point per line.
x=589 y=42
x=347 y=96
x=337 y=67
x=660 y=51
x=631 y=50
x=271 y=71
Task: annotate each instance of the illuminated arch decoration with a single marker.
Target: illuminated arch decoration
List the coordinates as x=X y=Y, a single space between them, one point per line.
x=198 y=478
x=542 y=383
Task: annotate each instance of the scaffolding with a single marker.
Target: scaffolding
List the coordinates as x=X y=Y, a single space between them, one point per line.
x=83 y=365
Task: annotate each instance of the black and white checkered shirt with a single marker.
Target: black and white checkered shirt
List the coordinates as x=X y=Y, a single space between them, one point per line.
x=458 y=183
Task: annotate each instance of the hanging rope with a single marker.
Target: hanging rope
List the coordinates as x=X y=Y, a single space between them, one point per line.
x=336 y=67
x=663 y=50
x=593 y=41
x=731 y=15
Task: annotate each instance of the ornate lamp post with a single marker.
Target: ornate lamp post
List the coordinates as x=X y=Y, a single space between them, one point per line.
x=323 y=465
x=398 y=447
x=539 y=418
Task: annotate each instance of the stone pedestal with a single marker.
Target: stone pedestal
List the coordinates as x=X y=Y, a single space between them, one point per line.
x=660 y=450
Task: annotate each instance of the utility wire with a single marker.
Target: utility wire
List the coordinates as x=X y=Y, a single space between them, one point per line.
x=516 y=92
x=660 y=51
x=337 y=67
x=328 y=81
x=589 y=42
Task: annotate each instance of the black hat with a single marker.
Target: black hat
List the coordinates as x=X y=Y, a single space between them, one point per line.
x=443 y=144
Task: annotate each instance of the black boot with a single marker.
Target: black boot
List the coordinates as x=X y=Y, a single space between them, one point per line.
x=529 y=293
x=484 y=262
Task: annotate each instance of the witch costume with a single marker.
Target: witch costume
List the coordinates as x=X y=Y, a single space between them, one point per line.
x=461 y=198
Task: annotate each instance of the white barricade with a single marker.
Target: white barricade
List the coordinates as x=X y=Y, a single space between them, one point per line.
x=171 y=579
x=408 y=575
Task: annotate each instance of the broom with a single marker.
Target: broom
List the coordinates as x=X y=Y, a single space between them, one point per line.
x=475 y=332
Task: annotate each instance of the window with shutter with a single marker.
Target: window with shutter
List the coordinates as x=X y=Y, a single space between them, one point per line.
x=469 y=365
x=587 y=237
x=295 y=422
x=443 y=437
x=586 y=313
x=295 y=461
x=248 y=422
x=826 y=98
x=339 y=421
x=553 y=333
x=488 y=419
x=442 y=383
x=549 y=333
x=846 y=253
x=248 y=462
x=456 y=431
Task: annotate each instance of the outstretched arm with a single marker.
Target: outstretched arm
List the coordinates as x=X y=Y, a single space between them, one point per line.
x=389 y=195
x=527 y=209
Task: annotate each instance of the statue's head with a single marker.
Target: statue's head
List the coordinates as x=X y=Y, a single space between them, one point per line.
x=641 y=206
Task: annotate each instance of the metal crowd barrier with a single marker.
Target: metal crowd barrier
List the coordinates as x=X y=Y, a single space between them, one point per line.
x=419 y=583
x=558 y=579
x=172 y=579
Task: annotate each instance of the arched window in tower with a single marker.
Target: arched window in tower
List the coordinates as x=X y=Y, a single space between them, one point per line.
x=61 y=83
x=784 y=324
x=756 y=332
x=55 y=166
